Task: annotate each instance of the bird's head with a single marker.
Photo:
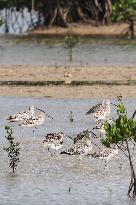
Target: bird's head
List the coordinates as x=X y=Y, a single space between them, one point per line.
x=105 y=102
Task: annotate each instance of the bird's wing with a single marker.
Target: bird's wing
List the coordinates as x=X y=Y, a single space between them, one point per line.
x=94 y=108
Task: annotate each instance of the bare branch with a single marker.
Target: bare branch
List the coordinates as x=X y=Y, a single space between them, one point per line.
x=134 y=114
x=122 y=151
x=122 y=146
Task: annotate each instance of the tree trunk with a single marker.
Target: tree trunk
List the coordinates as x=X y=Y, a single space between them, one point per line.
x=53 y=12
x=107 y=12
x=131 y=28
x=6 y=21
x=132 y=186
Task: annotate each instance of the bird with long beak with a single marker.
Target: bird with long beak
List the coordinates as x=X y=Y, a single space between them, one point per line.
x=101 y=111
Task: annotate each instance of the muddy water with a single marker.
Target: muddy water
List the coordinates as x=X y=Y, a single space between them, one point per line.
x=45 y=51
x=43 y=179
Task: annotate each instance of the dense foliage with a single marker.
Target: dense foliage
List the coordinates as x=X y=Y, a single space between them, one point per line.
x=122 y=129
x=73 y=10
x=122 y=133
x=62 y=12
x=124 y=10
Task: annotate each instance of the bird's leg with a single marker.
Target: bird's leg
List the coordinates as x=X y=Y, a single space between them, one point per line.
x=49 y=151
x=97 y=121
x=106 y=165
x=22 y=131
x=120 y=165
x=34 y=132
x=79 y=159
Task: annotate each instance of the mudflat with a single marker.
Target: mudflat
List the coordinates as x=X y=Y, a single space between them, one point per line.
x=82 y=29
x=44 y=73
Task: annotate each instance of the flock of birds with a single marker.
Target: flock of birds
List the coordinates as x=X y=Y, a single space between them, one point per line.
x=82 y=143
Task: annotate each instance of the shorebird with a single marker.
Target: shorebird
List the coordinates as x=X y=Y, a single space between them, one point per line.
x=100 y=126
x=53 y=141
x=83 y=136
x=82 y=148
x=33 y=121
x=106 y=153
x=22 y=115
x=100 y=111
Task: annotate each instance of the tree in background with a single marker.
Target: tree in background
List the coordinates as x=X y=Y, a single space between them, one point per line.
x=61 y=12
x=1 y=21
x=122 y=133
x=125 y=10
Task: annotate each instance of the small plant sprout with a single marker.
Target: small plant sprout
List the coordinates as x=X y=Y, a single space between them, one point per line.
x=70 y=42
x=71 y=117
x=13 y=150
x=122 y=133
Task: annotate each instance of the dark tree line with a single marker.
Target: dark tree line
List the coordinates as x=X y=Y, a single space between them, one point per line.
x=61 y=12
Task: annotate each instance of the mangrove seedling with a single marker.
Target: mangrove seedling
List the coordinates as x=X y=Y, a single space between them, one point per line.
x=71 y=116
x=122 y=133
x=13 y=150
x=70 y=42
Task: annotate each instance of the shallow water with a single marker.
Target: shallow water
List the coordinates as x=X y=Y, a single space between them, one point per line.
x=43 y=179
x=50 y=51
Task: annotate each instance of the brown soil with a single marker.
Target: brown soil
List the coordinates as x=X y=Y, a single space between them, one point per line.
x=39 y=73
x=84 y=29
x=34 y=73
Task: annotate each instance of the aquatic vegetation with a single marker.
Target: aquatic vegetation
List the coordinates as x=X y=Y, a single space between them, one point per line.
x=122 y=133
x=13 y=150
x=70 y=42
x=71 y=116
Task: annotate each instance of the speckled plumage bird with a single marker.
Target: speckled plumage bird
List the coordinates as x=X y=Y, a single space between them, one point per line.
x=83 y=136
x=53 y=141
x=21 y=116
x=33 y=121
x=100 y=125
x=106 y=153
x=81 y=148
x=100 y=111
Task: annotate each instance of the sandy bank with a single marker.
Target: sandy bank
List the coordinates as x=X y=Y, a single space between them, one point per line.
x=83 y=29
x=37 y=73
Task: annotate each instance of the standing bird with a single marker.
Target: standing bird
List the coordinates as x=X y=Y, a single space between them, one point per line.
x=81 y=148
x=105 y=154
x=33 y=121
x=100 y=126
x=53 y=141
x=83 y=136
x=100 y=111
x=22 y=115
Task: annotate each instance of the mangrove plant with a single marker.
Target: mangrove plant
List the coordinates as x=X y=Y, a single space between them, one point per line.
x=13 y=149
x=122 y=133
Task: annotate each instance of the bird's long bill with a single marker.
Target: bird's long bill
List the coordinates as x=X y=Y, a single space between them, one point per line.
x=93 y=133
x=69 y=137
x=95 y=144
x=114 y=104
x=44 y=112
x=88 y=112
